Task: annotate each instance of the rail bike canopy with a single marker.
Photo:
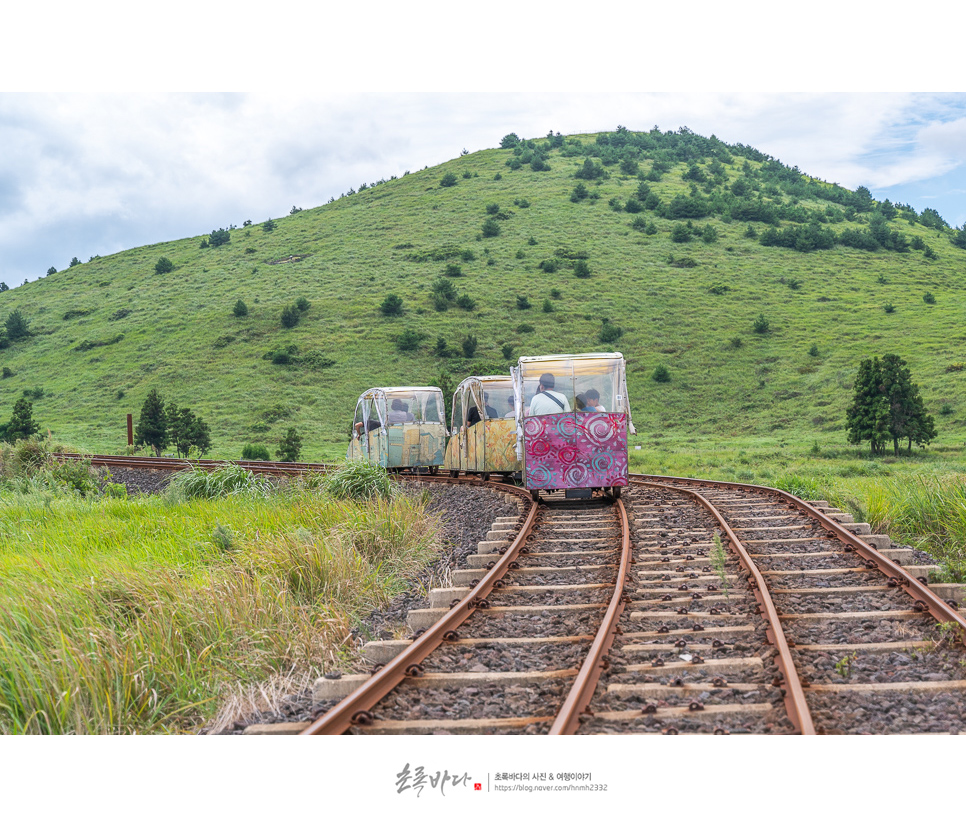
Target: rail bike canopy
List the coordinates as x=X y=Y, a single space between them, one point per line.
x=573 y=417
x=399 y=427
x=574 y=376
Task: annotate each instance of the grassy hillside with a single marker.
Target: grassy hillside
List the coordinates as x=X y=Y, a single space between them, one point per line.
x=104 y=333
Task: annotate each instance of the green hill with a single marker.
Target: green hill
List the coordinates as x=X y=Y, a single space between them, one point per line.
x=665 y=246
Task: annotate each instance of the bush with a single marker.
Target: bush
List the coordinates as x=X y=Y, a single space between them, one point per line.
x=163 y=266
x=453 y=271
x=358 y=480
x=302 y=304
x=291 y=446
x=490 y=227
x=661 y=374
x=464 y=302
x=409 y=339
x=508 y=351
x=610 y=332
x=17 y=326
x=290 y=316
x=929 y=298
x=582 y=269
x=449 y=180
x=392 y=305
x=523 y=303
x=469 y=346
x=760 y=325
x=255 y=451
x=219 y=237
x=240 y=310
x=269 y=225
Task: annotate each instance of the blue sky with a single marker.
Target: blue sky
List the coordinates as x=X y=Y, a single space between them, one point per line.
x=87 y=174
x=120 y=162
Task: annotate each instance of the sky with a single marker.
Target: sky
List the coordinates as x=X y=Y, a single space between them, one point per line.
x=85 y=174
x=119 y=161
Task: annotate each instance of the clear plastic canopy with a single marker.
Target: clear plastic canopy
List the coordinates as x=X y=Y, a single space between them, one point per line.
x=581 y=382
x=401 y=404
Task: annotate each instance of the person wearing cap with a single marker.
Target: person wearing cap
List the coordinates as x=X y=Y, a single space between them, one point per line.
x=546 y=400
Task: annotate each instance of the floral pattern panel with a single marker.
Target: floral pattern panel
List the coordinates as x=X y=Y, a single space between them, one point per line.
x=572 y=451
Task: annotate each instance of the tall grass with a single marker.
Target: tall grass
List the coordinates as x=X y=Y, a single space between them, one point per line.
x=925 y=511
x=137 y=617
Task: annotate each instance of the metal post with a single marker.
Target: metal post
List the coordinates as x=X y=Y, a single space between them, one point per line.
x=130 y=429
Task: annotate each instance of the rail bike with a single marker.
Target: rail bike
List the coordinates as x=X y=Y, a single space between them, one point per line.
x=483 y=438
x=400 y=428
x=573 y=417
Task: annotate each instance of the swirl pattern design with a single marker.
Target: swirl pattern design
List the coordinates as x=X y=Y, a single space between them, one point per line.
x=568 y=451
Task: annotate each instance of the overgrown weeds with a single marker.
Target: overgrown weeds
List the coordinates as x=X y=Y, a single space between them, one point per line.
x=111 y=623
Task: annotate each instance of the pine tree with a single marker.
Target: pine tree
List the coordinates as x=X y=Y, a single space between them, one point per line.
x=887 y=405
x=22 y=424
x=291 y=446
x=187 y=431
x=152 y=427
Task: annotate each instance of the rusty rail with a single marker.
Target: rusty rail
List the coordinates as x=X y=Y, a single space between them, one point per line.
x=355 y=708
x=792 y=689
x=582 y=692
x=920 y=592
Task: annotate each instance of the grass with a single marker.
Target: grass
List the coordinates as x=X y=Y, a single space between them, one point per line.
x=182 y=336
x=147 y=615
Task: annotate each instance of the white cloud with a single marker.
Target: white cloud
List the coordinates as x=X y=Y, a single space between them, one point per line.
x=170 y=165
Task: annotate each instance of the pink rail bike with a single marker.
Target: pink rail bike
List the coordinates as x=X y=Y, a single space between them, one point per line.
x=573 y=417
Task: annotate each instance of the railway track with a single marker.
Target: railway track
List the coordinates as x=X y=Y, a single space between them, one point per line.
x=699 y=607
x=167 y=464
x=744 y=610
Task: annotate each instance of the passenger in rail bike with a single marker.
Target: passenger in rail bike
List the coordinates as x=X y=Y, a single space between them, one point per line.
x=546 y=401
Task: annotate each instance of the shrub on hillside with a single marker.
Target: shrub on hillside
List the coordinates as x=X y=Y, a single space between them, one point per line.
x=761 y=325
x=610 y=332
x=449 y=180
x=490 y=227
x=240 y=310
x=219 y=237
x=163 y=266
x=302 y=304
x=661 y=374
x=409 y=339
x=392 y=305
x=17 y=326
x=290 y=316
